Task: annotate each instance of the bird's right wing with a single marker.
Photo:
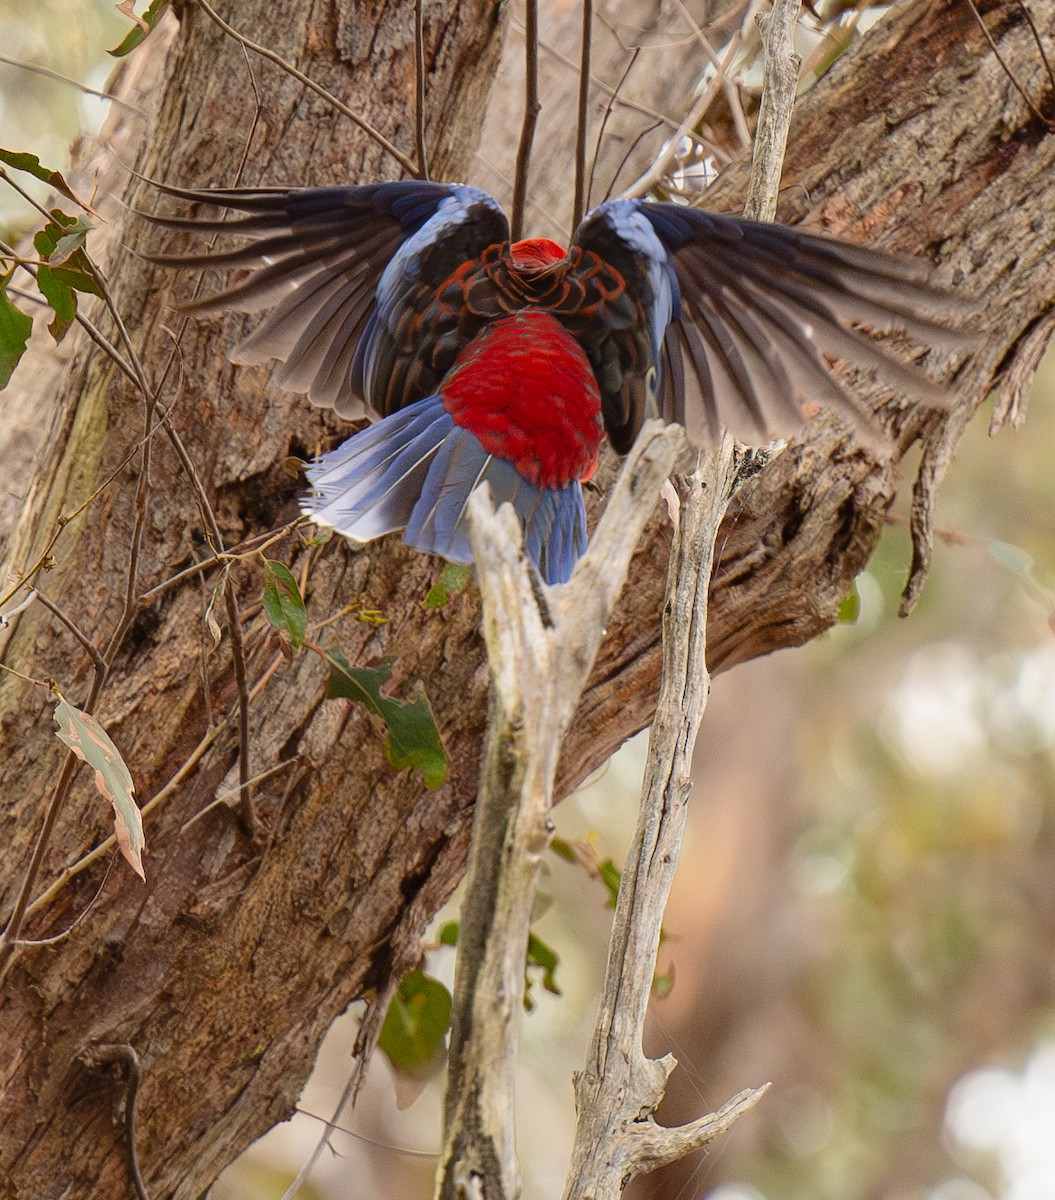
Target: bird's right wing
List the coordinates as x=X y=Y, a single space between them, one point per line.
x=740 y=322
x=333 y=267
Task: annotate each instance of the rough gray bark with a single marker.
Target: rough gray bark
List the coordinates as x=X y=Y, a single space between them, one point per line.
x=224 y=970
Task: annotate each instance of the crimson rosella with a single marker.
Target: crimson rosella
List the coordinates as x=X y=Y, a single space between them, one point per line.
x=509 y=362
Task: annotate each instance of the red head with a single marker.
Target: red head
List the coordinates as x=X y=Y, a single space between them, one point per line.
x=534 y=254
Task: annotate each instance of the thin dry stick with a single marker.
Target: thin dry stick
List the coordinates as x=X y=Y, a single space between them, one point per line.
x=419 y=89
x=732 y=95
x=774 y=113
x=12 y=932
x=541 y=644
x=579 y=206
x=657 y=172
x=531 y=111
x=608 y=110
x=407 y=165
x=362 y=1051
x=1007 y=70
x=93 y=651
x=48 y=73
x=124 y=1055
x=604 y=86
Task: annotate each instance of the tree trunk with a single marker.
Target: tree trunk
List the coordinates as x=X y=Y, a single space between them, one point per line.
x=224 y=970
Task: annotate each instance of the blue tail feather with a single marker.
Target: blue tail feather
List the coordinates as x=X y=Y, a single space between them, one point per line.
x=415 y=470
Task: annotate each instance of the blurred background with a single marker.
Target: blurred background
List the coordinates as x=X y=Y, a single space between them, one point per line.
x=865 y=909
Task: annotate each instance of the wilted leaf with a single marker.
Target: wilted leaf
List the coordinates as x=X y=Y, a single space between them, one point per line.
x=89 y=741
x=23 y=161
x=414 y=1032
x=283 y=604
x=143 y=25
x=413 y=739
x=211 y=623
x=15 y=328
x=455 y=576
x=1021 y=565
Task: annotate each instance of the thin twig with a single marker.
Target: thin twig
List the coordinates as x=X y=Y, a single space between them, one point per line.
x=1040 y=45
x=582 y=119
x=1007 y=70
x=124 y=1055
x=310 y=83
x=608 y=110
x=419 y=90
x=93 y=651
x=531 y=111
x=55 y=938
x=247 y=809
x=222 y=798
x=732 y=95
x=774 y=113
x=657 y=172
x=249 y=548
x=48 y=73
x=13 y=931
x=108 y=843
x=626 y=157
x=366 y=1039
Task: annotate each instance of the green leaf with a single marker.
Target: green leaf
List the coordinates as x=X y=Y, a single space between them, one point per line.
x=663 y=983
x=89 y=741
x=61 y=245
x=141 y=28
x=455 y=576
x=413 y=739
x=70 y=241
x=610 y=876
x=545 y=959
x=448 y=935
x=414 y=1032
x=23 y=161
x=62 y=300
x=562 y=848
x=283 y=604
x=15 y=328
x=850 y=609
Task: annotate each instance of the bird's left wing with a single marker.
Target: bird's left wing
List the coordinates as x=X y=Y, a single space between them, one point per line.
x=323 y=261
x=739 y=320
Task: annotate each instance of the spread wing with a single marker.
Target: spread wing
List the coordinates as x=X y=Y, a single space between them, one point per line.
x=331 y=268
x=739 y=320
